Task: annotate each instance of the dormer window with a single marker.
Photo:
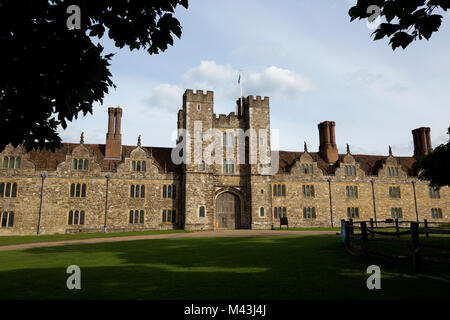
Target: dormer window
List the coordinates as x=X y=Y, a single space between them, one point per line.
x=138 y=166
x=80 y=164
x=11 y=162
x=392 y=172
x=307 y=169
x=350 y=170
x=434 y=193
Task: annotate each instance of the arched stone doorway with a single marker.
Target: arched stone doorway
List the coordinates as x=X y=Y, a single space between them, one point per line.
x=228 y=211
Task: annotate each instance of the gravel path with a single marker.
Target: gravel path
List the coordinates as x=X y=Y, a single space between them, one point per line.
x=202 y=234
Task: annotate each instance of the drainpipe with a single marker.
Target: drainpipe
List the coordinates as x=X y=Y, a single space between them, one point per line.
x=331 y=201
x=43 y=176
x=374 y=203
x=415 y=200
x=106 y=203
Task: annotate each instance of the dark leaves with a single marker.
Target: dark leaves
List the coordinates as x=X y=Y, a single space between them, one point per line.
x=406 y=20
x=51 y=74
x=435 y=167
x=401 y=39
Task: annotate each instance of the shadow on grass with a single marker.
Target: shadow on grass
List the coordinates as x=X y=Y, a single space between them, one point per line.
x=215 y=268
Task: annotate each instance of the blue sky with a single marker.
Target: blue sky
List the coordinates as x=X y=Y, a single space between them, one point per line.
x=305 y=55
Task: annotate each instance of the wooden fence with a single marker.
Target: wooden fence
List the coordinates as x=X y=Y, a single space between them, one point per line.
x=367 y=235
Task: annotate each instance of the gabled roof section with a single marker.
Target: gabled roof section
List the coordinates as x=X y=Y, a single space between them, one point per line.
x=48 y=160
x=371 y=164
x=288 y=158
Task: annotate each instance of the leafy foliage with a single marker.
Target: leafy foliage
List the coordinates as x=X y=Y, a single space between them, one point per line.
x=49 y=74
x=406 y=20
x=435 y=166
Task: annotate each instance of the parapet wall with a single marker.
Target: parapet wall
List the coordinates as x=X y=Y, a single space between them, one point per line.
x=198 y=96
x=228 y=121
x=257 y=101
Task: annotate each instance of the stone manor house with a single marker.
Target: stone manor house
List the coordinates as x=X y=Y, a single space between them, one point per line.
x=113 y=187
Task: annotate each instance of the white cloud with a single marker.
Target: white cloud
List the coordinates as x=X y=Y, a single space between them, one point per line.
x=166 y=96
x=210 y=75
x=223 y=78
x=277 y=81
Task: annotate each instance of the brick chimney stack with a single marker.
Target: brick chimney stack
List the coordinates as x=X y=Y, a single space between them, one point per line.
x=328 y=148
x=422 y=142
x=113 y=149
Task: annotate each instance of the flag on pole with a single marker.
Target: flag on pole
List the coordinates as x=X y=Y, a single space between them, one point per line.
x=240 y=86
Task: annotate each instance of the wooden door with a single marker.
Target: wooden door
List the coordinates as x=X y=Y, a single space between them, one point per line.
x=227 y=211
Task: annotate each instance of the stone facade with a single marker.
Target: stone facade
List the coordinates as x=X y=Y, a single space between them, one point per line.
x=93 y=188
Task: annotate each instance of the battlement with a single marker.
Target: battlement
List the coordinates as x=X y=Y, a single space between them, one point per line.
x=255 y=102
x=226 y=121
x=198 y=96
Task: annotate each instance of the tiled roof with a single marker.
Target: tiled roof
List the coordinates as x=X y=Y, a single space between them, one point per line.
x=369 y=163
x=287 y=160
x=46 y=159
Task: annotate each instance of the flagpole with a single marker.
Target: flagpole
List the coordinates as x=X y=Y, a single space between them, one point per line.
x=240 y=85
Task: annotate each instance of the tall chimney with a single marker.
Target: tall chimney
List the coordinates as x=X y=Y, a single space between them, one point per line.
x=328 y=148
x=113 y=149
x=422 y=142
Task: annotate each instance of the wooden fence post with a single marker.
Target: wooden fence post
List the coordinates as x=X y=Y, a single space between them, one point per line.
x=347 y=233
x=364 y=238
x=415 y=245
x=426 y=227
x=352 y=231
x=371 y=228
x=397 y=229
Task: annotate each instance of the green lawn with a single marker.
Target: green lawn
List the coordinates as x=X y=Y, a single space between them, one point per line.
x=7 y=240
x=313 y=267
x=308 y=229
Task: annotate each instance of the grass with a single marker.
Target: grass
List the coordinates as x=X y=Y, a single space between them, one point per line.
x=8 y=240
x=308 y=229
x=312 y=267
x=402 y=245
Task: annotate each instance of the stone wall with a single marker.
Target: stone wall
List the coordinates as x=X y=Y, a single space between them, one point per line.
x=57 y=202
x=196 y=187
x=294 y=201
